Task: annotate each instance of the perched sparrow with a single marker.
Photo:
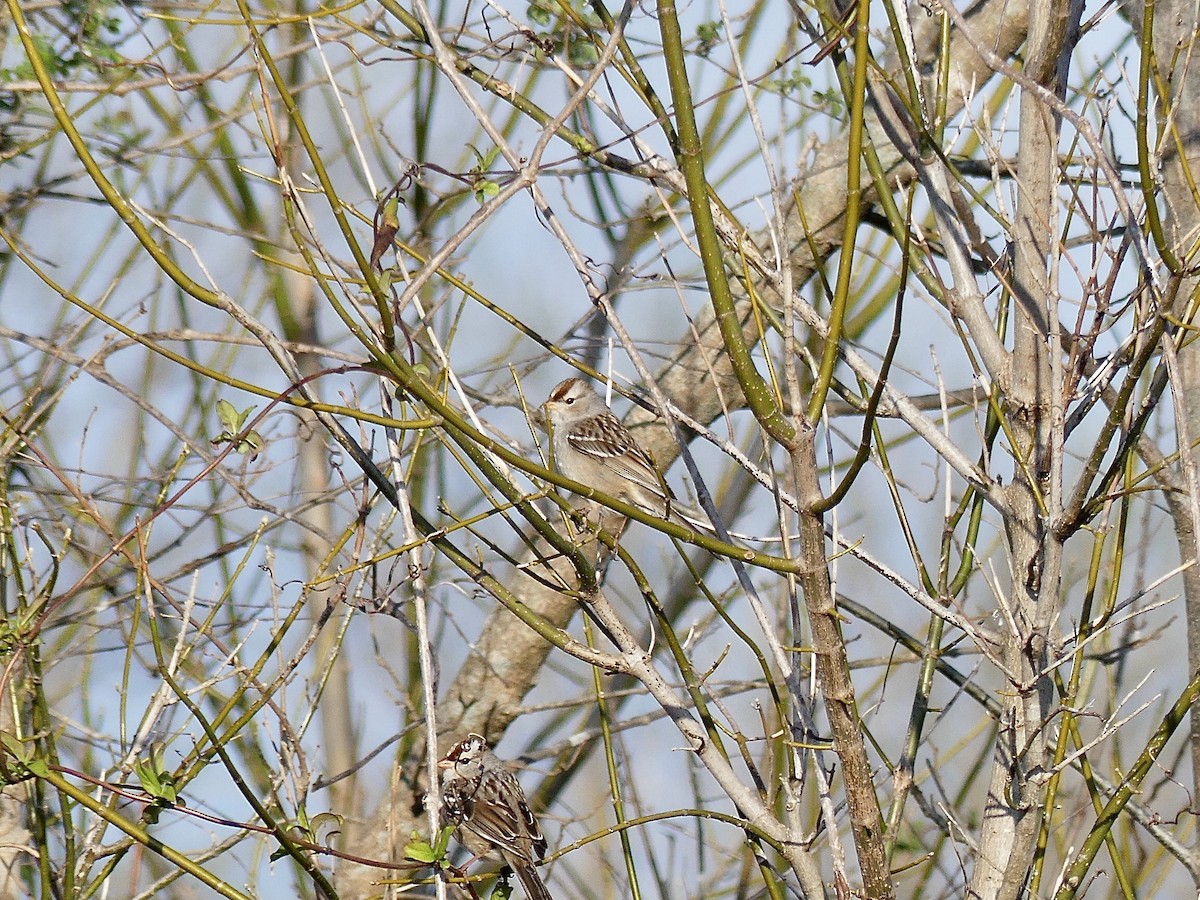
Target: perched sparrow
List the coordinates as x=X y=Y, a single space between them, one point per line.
x=591 y=446
x=482 y=797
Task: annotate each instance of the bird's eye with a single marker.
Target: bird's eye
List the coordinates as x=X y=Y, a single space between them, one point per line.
x=570 y=400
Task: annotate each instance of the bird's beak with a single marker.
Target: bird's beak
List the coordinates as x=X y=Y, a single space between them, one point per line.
x=445 y=764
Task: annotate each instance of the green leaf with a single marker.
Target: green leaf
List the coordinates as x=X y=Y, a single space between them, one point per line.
x=709 y=35
x=319 y=829
x=24 y=756
x=443 y=841
x=302 y=828
x=420 y=850
x=252 y=443
x=168 y=793
x=228 y=416
x=15 y=630
x=485 y=190
x=13 y=746
x=233 y=421
x=483 y=162
x=147 y=777
x=326 y=826
x=157 y=781
x=584 y=54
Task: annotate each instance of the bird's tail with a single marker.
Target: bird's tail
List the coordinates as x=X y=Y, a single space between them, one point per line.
x=535 y=888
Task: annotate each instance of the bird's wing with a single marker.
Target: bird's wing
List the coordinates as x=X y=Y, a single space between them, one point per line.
x=513 y=829
x=611 y=444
